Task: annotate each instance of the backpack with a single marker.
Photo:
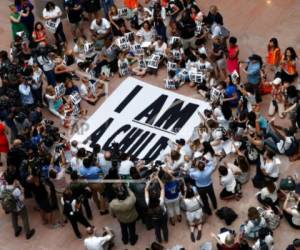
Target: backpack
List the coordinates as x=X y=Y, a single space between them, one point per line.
x=251 y=153
x=224 y=32
x=288 y=184
x=8 y=201
x=293 y=148
x=272 y=219
x=227 y=214
x=263 y=245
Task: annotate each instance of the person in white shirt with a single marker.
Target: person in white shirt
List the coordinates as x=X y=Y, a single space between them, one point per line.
x=147 y=33
x=269 y=167
x=37 y=84
x=268 y=196
x=292 y=213
x=77 y=161
x=194 y=212
x=101 y=30
x=264 y=239
x=159 y=47
x=125 y=166
x=229 y=183
x=95 y=242
x=184 y=148
x=26 y=94
x=142 y=14
x=123 y=65
x=91 y=92
x=52 y=16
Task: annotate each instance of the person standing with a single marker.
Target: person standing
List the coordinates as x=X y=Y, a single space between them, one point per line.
x=26 y=94
x=13 y=202
x=202 y=174
x=74 y=11
x=72 y=210
x=4 y=145
x=252 y=70
x=187 y=27
x=15 y=19
x=274 y=54
x=27 y=16
x=123 y=207
x=52 y=16
x=233 y=56
x=155 y=199
x=92 y=173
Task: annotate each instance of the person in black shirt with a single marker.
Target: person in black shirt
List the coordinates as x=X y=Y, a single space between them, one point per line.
x=91 y=7
x=81 y=191
x=213 y=16
x=74 y=11
x=186 y=26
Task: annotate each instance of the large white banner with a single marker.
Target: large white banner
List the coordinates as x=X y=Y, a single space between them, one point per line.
x=142 y=118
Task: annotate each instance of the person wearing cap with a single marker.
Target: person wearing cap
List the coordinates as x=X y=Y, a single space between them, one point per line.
x=295 y=245
x=277 y=101
x=252 y=70
x=202 y=174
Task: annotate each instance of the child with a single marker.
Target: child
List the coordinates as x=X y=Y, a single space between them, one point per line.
x=90 y=90
x=172 y=82
x=141 y=69
x=123 y=65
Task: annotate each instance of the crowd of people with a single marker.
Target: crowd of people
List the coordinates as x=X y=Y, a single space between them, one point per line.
x=47 y=70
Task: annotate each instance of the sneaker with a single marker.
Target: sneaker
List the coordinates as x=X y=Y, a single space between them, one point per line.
x=192 y=237
x=31 y=233
x=18 y=232
x=199 y=235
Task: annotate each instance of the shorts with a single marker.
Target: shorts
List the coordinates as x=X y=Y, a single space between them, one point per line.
x=195 y=217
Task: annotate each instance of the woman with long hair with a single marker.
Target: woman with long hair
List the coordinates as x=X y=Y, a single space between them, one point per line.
x=39 y=36
x=194 y=212
x=115 y=20
x=288 y=63
x=274 y=54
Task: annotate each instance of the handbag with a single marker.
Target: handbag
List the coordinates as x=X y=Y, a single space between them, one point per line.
x=288 y=184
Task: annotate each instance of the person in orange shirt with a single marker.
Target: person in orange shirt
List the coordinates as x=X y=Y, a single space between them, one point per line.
x=131 y=4
x=274 y=54
x=288 y=65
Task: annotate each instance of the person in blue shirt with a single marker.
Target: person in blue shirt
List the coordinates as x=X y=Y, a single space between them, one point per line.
x=253 y=72
x=202 y=174
x=90 y=172
x=232 y=95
